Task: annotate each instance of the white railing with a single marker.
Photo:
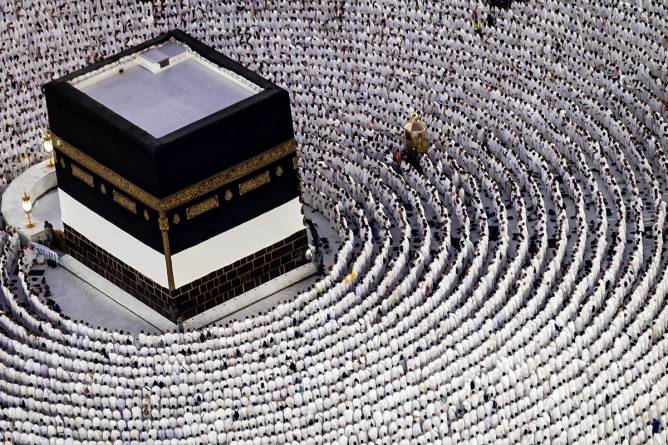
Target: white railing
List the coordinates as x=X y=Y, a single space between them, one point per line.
x=47 y=253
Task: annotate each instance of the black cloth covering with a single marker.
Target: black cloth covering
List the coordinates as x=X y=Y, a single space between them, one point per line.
x=165 y=165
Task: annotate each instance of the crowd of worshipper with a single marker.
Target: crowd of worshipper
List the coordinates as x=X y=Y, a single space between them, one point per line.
x=507 y=287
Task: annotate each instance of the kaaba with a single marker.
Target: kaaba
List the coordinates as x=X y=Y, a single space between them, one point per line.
x=178 y=174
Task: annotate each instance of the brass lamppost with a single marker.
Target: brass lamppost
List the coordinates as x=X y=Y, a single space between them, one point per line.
x=48 y=148
x=27 y=208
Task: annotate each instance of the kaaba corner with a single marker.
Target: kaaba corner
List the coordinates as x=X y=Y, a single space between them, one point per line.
x=178 y=175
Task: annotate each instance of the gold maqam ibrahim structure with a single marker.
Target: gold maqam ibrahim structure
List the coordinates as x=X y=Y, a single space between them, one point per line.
x=416 y=137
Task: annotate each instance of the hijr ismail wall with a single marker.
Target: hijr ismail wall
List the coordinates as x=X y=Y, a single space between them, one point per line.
x=188 y=220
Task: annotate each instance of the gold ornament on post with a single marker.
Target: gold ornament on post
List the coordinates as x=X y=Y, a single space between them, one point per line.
x=416 y=137
x=48 y=148
x=27 y=208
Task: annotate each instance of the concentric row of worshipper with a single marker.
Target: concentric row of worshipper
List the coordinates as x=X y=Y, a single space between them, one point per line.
x=508 y=287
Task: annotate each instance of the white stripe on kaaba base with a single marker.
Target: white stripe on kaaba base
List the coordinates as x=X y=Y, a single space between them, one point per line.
x=194 y=262
x=237 y=243
x=113 y=239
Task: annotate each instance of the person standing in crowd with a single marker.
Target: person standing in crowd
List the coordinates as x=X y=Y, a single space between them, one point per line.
x=48 y=231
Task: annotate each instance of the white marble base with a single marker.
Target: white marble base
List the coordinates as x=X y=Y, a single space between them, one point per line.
x=116 y=293
x=37 y=180
x=206 y=318
x=251 y=297
x=194 y=262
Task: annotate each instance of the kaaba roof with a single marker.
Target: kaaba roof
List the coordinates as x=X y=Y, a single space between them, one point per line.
x=165 y=88
x=168 y=113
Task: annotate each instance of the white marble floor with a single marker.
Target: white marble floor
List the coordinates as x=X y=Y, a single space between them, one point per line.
x=47 y=208
x=81 y=301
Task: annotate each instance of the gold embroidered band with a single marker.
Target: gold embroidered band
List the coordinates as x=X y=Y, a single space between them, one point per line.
x=254 y=182
x=202 y=207
x=124 y=201
x=82 y=175
x=189 y=193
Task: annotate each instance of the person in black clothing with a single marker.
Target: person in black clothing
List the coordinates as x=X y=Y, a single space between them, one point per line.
x=48 y=231
x=317 y=254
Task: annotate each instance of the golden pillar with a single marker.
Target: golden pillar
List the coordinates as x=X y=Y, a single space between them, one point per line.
x=163 y=223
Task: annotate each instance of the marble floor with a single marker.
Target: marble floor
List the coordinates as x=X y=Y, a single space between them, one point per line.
x=81 y=301
x=47 y=208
